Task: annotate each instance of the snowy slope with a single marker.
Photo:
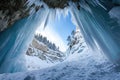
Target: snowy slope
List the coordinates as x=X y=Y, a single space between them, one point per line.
x=85 y=66
x=35 y=63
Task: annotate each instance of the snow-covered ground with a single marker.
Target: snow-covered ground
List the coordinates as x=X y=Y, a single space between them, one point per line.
x=87 y=65
x=35 y=63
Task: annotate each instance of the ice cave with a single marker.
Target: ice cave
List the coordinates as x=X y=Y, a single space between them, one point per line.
x=93 y=48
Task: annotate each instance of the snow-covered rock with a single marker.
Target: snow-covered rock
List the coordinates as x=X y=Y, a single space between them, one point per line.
x=40 y=56
x=77 y=43
x=39 y=46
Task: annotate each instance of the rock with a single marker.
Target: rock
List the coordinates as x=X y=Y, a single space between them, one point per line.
x=39 y=46
x=43 y=52
x=11 y=11
x=58 y=3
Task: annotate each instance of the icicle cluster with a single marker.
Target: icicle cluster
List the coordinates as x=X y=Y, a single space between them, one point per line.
x=93 y=21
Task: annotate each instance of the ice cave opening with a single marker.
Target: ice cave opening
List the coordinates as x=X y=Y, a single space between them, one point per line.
x=52 y=43
x=97 y=25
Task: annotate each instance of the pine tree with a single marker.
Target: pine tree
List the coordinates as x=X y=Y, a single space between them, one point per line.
x=44 y=40
x=69 y=40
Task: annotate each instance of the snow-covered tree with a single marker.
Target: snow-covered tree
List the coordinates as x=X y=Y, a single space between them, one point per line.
x=51 y=45
x=76 y=42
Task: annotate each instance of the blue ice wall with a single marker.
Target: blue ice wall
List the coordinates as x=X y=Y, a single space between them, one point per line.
x=15 y=40
x=9 y=51
x=100 y=32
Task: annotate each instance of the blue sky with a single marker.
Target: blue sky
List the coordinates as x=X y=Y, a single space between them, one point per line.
x=57 y=31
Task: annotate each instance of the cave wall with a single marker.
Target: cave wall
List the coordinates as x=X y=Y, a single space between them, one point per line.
x=11 y=11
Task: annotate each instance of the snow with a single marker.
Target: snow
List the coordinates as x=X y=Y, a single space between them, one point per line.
x=87 y=65
x=35 y=63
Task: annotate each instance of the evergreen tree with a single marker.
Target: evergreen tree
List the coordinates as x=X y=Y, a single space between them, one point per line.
x=73 y=33
x=44 y=40
x=69 y=40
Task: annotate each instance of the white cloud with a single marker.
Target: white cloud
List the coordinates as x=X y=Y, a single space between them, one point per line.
x=53 y=36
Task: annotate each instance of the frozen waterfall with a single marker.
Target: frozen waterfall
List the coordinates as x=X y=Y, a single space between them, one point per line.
x=98 y=29
x=16 y=39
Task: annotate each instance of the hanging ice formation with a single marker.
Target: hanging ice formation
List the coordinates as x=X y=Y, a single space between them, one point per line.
x=91 y=16
x=100 y=32
x=15 y=40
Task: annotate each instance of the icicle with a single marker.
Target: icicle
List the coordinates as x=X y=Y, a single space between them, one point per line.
x=96 y=30
x=46 y=20
x=15 y=40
